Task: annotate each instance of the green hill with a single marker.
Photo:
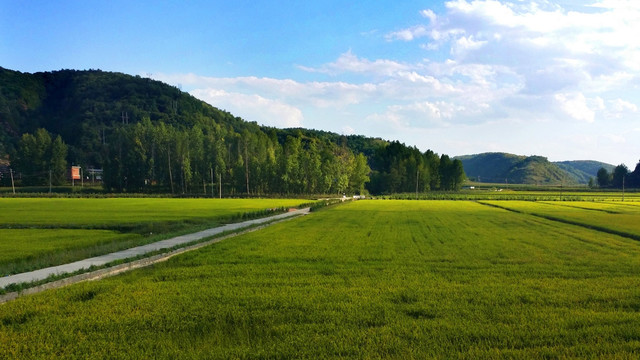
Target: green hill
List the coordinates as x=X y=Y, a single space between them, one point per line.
x=151 y=137
x=583 y=170
x=517 y=169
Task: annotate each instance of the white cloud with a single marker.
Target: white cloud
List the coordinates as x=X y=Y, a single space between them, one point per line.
x=621 y=106
x=253 y=107
x=575 y=105
x=464 y=44
x=511 y=67
x=348 y=130
x=318 y=94
x=538 y=36
x=429 y=14
x=348 y=62
x=408 y=34
x=615 y=139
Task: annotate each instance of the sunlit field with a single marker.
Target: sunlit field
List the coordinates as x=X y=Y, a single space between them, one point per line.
x=616 y=218
x=105 y=212
x=497 y=193
x=370 y=279
x=40 y=232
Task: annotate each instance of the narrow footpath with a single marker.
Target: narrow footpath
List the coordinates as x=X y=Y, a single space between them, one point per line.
x=140 y=250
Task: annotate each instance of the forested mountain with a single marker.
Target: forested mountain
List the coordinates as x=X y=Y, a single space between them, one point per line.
x=583 y=170
x=152 y=137
x=515 y=169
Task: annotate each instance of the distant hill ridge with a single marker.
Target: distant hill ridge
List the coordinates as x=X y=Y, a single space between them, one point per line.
x=148 y=136
x=536 y=170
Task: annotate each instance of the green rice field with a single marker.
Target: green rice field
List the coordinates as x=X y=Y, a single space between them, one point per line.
x=368 y=279
x=550 y=194
x=41 y=232
x=116 y=212
x=617 y=218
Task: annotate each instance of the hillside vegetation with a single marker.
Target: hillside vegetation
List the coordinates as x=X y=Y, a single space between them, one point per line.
x=152 y=137
x=583 y=170
x=536 y=170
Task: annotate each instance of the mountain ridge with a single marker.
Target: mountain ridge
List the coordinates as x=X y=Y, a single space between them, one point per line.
x=500 y=167
x=149 y=136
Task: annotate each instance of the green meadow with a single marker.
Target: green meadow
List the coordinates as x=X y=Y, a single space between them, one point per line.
x=41 y=232
x=369 y=279
x=118 y=212
x=616 y=218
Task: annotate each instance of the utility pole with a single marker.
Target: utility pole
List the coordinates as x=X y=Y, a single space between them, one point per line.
x=170 y=176
x=211 y=181
x=49 y=181
x=623 y=188
x=220 y=184
x=246 y=164
x=417 y=177
x=13 y=186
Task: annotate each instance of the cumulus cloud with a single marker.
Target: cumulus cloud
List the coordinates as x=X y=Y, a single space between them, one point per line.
x=253 y=107
x=614 y=138
x=348 y=62
x=622 y=106
x=409 y=34
x=575 y=105
x=538 y=37
x=314 y=93
x=348 y=130
x=519 y=64
x=429 y=14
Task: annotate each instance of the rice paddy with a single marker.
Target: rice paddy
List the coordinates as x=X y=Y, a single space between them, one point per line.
x=41 y=232
x=370 y=279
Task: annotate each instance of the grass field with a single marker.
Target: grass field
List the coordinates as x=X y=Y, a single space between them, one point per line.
x=41 y=232
x=616 y=218
x=553 y=194
x=119 y=212
x=371 y=279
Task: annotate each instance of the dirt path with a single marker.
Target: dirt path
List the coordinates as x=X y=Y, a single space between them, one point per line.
x=139 y=251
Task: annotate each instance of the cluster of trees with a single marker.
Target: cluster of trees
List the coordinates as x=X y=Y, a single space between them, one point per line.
x=620 y=177
x=41 y=160
x=398 y=168
x=152 y=137
x=208 y=157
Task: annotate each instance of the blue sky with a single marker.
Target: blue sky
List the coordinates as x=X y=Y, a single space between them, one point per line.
x=553 y=78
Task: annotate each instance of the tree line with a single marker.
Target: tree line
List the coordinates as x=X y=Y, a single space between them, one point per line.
x=619 y=178
x=160 y=157
x=152 y=137
x=41 y=159
x=210 y=158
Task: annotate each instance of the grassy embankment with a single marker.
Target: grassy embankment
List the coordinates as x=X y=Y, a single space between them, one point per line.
x=40 y=232
x=371 y=279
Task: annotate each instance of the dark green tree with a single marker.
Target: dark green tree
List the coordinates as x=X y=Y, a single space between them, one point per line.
x=603 y=177
x=359 y=175
x=58 y=162
x=40 y=159
x=619 y=176
x=634 y=177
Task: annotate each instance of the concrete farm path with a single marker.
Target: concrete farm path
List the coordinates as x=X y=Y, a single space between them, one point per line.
x=134 y=252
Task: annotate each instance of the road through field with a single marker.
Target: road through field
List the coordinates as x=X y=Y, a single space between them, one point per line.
x=138 y=251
